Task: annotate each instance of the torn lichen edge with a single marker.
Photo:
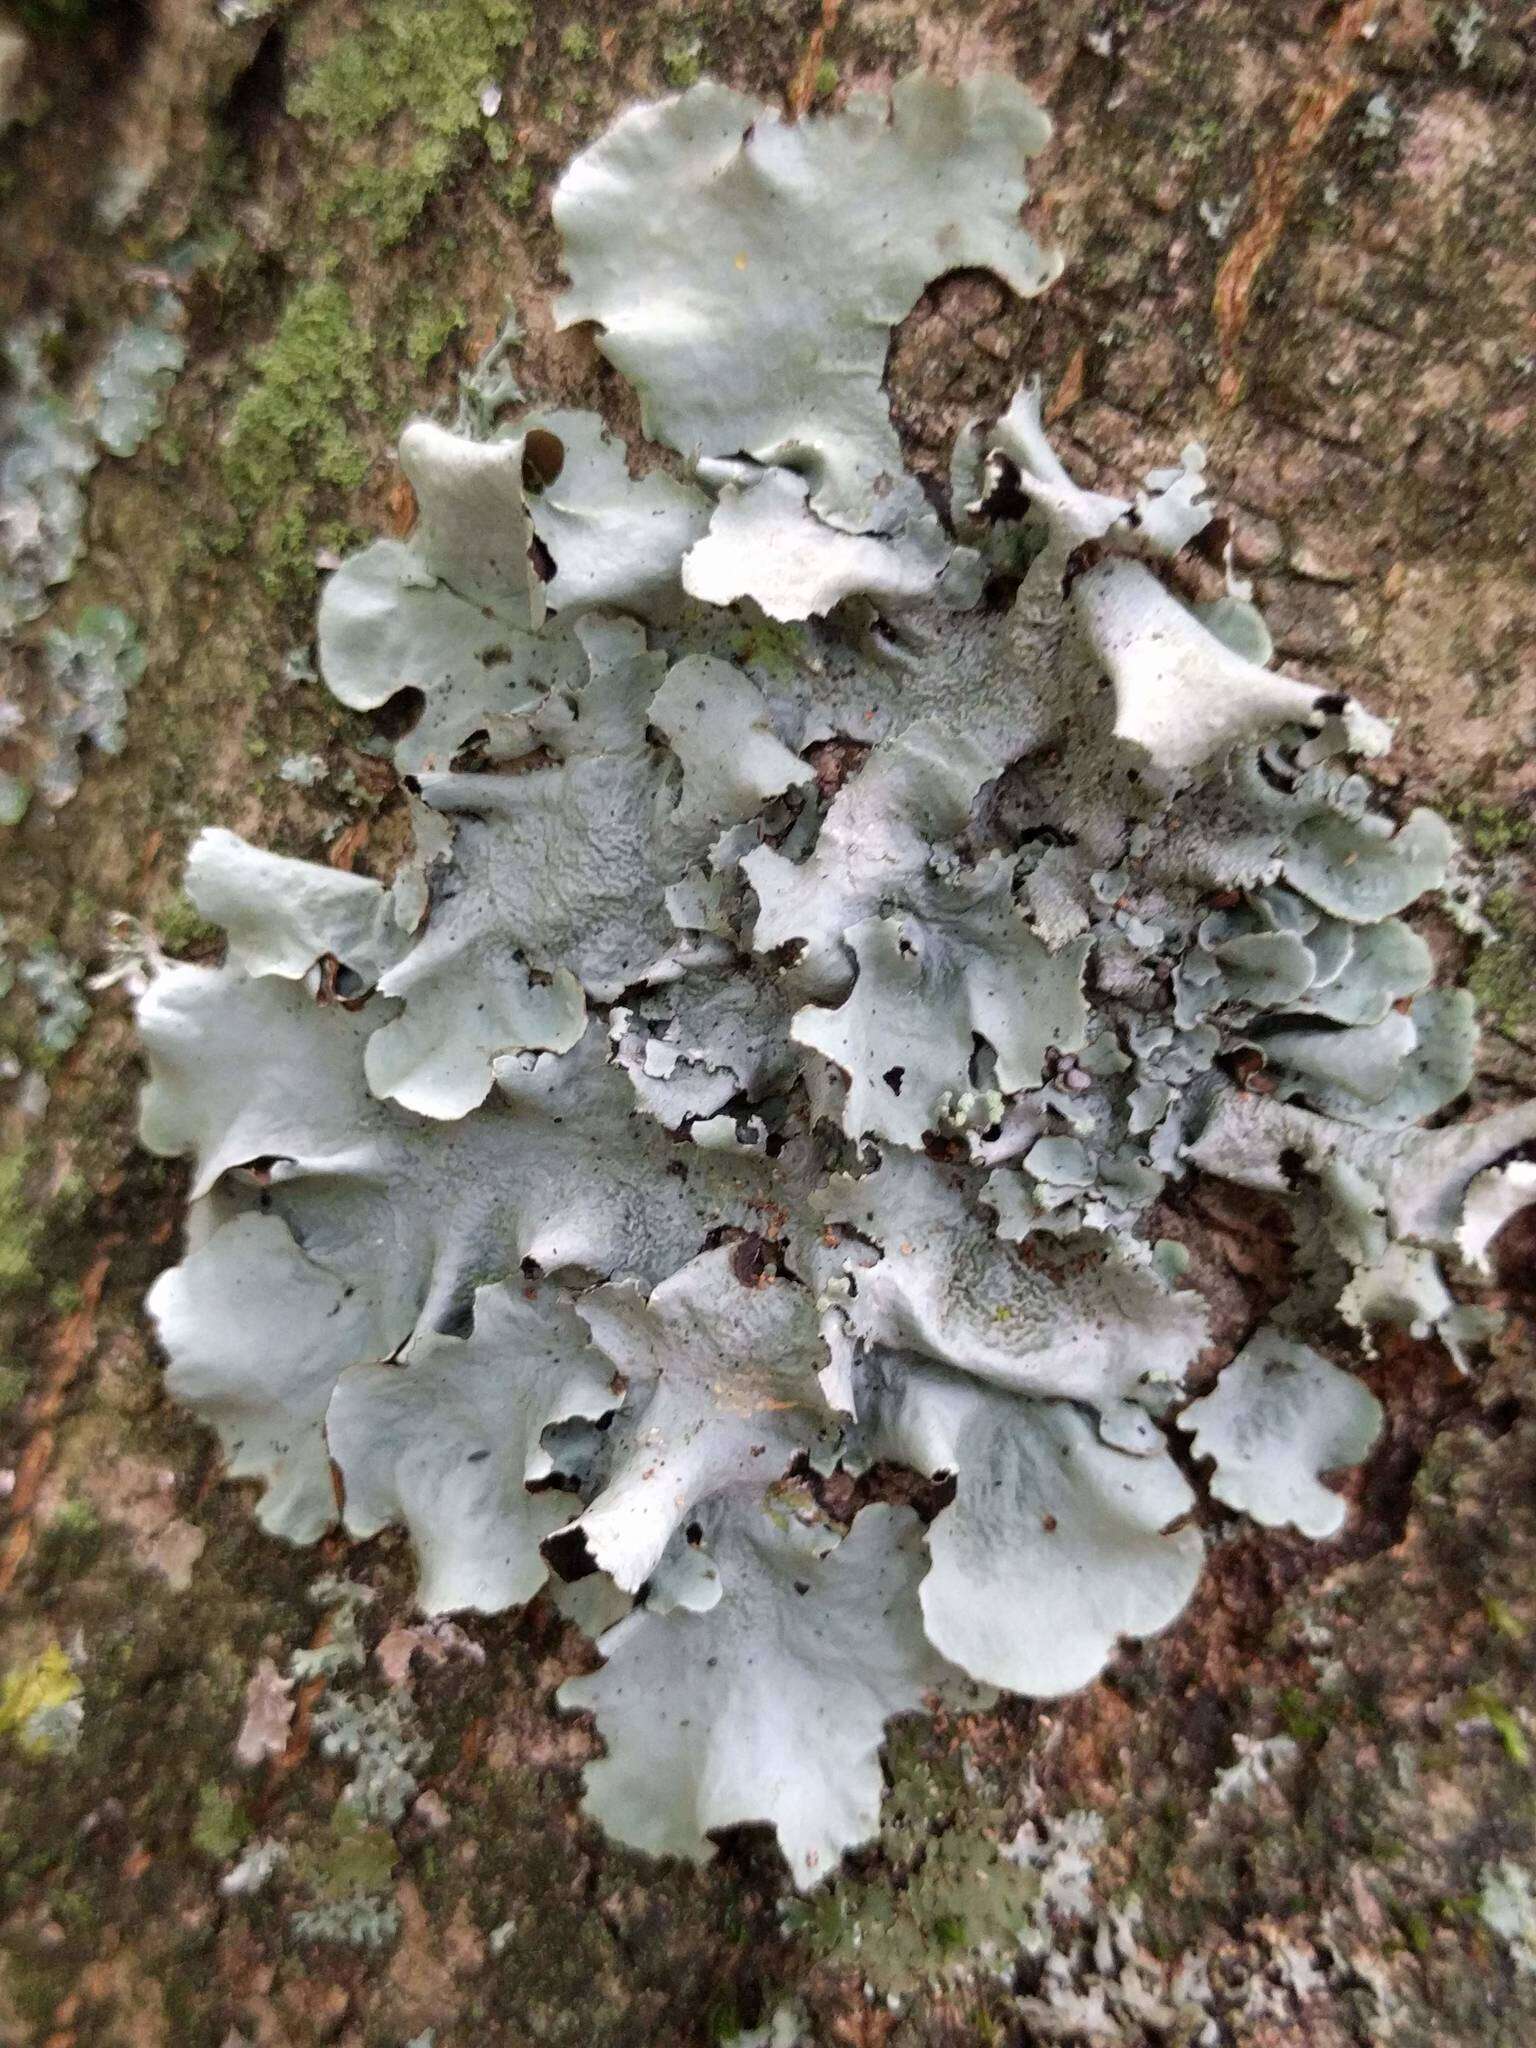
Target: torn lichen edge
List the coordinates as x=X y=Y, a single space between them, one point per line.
x=687 y=1120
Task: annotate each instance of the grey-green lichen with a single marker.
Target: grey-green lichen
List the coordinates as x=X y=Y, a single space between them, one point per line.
x=133 y=378
x=806 y=981
x=49 y=444
x=60 y=1006
x=45 y=457
x=91 y=667
x=346 y=1875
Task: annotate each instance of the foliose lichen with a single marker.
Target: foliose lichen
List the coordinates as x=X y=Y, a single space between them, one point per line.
x=132 y=379
x=91 y=668
x=48 y=444
x=45 y=456
x=834 y=920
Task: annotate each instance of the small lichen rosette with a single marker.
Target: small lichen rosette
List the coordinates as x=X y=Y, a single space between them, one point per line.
x=832 y=925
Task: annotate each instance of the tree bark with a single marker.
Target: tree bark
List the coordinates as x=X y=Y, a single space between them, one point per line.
x=1296 y=232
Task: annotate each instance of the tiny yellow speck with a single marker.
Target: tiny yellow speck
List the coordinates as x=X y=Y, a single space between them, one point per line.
x=741 y=261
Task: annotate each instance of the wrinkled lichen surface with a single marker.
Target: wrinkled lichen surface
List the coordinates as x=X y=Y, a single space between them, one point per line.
x=764 y=1071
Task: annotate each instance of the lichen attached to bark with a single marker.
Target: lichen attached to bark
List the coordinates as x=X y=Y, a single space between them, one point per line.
x=686 y=1124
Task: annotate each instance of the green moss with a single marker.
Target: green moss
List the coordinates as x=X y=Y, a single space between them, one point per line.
x=1441 y=1473
x=516 y=189
x=578 y=42
x=681 y=62
x=1415 y=1928
x=292 y=428
x=1502 y=1621
x=408 y=81
x=1301 y=1718
x=780 y=650
x=71 y=1542
x=1491 y=829
x=316 y=364
x=13 y=1388
x=429 y=327
x=428 y=61
x=826 y=78
x=180 y=926
x=222 y=1827
x=356 y=1861
x=1156 y=1845
x=20 y=1224
x=1200 y=142
x=391 y=196
x=1503 y=976
x=1504 y=1721
x=949 y=1900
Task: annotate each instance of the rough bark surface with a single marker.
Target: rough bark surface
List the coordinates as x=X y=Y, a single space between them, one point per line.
x=1296 y=230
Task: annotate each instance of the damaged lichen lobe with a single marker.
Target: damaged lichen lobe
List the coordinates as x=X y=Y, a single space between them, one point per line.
x=689 y=1122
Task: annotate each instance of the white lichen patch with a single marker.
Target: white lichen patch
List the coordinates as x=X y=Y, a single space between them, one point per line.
x=449 y=1442
x=282 y=916
x=772 y=1703
x=833 y=922
x=1280 y=1417
x=1506 y=1904
x=746 y=272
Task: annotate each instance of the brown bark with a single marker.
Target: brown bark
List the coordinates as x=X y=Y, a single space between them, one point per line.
x=1355 y=348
